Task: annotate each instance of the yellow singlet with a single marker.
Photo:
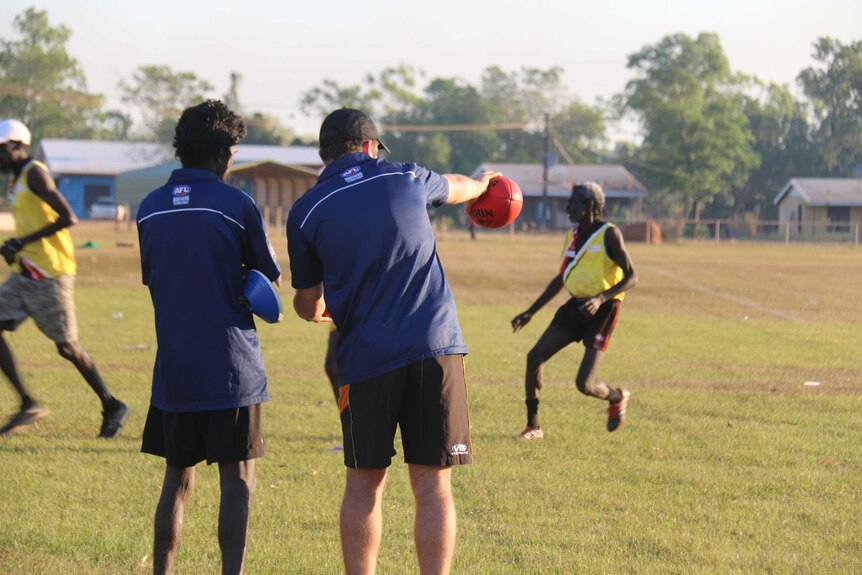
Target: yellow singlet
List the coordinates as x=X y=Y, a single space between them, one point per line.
x=52 y=256
x=589 y=271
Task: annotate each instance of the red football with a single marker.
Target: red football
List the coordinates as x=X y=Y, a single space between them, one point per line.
x=499 y=205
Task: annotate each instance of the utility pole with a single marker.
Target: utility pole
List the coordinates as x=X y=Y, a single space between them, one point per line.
x=546 y=209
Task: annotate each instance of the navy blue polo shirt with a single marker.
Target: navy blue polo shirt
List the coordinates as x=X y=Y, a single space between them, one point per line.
x=196 y=235
x=363 y=231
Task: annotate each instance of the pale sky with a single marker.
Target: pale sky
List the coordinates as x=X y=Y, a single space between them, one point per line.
x=285 y=48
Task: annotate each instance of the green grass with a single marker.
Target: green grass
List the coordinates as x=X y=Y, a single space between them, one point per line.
x=727 y=464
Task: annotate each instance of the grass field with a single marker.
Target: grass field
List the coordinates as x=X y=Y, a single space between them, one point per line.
x=728 y=462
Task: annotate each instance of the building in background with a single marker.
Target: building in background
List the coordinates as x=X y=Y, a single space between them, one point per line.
x=85 y=170
x=88 y=172
x=623 y=192
x=274 y=185
x=816 y=207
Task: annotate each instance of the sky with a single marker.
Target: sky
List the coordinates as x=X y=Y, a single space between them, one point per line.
x=285 y=48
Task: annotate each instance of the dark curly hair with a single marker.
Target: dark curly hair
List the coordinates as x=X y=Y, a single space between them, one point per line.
x=204 y=131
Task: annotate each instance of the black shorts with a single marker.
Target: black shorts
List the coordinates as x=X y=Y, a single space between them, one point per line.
x=426 y=399
x=221 y=436
x=593 y=330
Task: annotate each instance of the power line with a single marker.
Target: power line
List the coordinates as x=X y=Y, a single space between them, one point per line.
x=454 y=127
x=70 y=96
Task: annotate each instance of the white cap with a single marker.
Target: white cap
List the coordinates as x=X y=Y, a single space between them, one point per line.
x=15 y=131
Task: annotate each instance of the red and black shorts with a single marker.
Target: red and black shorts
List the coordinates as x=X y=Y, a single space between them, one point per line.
x=221 y=436
x=593 y=330
x=426 y=399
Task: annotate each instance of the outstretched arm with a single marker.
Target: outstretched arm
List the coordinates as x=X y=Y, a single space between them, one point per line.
x=464 y=189
x=524 y=317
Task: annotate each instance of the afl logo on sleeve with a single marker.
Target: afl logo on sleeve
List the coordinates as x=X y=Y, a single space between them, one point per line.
x=181 y=195
x=352 y=174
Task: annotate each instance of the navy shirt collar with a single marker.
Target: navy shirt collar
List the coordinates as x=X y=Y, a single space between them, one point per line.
x=339 y=164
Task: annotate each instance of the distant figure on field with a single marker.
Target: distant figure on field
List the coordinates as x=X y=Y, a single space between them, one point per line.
x=330 y=366
x=597 y=271
x=198 y=237
x=42 y=281
x=361 y=237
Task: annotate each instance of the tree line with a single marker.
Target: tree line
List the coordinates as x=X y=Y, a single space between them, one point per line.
x=712 y=142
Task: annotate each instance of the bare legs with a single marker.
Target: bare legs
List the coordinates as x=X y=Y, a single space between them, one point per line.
x=435 y=525
x=362 y=519
x=237 y=486
x=73 y=352
x=7 y=366
x=176 y=488
x=330 y=365
x=549 y=344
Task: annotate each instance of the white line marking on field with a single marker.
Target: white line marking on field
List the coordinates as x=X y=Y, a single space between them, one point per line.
x=717 y=293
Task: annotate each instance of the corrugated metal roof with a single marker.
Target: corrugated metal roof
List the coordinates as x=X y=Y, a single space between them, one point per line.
x=68 y=157
x=615 y=179
x=825 y=191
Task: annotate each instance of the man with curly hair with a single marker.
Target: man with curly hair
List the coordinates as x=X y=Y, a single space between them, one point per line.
x=198 y=237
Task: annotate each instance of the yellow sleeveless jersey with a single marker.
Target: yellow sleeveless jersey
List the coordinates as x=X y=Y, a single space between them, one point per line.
x=51 y=256
x=589 y=271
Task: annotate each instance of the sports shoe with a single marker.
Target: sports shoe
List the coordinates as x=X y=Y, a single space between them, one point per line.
x=617 y=411
x=112 y=421
x=30 y=414
x=532 y=433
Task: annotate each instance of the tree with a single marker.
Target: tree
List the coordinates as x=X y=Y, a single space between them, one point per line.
x=42 y=85
x=580 y=130
x=835 y=92
x=697 y=143
x=391 y=92
x=263 y=128
x=781 y=131
x=522 y=97
x=447 y=102
x=446 y=125
x=160 y=95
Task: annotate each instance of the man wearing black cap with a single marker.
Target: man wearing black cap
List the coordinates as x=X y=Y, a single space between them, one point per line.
x=362 y=237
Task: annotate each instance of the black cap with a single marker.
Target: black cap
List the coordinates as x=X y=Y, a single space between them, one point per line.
x=348 y=124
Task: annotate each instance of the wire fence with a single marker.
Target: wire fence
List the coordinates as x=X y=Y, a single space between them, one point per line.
x=658 y=230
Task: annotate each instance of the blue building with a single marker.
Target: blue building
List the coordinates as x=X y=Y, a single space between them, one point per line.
x=87 y=170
